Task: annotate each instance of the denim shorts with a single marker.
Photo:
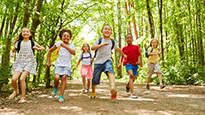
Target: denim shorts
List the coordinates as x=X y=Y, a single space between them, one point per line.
x=132 y=67
x=62 y=70
x=99 y=68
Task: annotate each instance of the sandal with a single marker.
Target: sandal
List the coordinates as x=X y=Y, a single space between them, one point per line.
x=22 y=100
x=13 y=95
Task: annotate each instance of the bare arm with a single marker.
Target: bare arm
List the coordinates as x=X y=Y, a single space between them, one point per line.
x=121 y=52
x=49 y=55
x=38 y=47
x=95 y=47
x=77 y=63
x=69 y=49
x=12 y=52
x=150 y=53
x=121 y=59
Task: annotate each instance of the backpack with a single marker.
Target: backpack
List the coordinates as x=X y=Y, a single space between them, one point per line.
x=19 y=45
x=146 y=53
x=100 y=40
x=86 y=57
x=54 y=54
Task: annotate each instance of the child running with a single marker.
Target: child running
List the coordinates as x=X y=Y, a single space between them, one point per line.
x=86 y=69
x=131 y=63
x=63 y=62
x=25 y=62
x=103 y=62
x=153 y=64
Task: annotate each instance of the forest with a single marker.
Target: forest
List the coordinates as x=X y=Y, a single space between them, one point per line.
x=178 y=24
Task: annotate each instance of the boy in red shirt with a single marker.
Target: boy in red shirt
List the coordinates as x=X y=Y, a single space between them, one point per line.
x=131 y=63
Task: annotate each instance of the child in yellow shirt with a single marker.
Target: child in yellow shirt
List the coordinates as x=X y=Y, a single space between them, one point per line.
x=153 y=64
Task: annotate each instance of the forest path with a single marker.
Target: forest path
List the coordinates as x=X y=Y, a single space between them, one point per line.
x=173 y=100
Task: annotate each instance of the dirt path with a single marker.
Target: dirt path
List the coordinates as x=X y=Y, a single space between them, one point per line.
x=173 y=100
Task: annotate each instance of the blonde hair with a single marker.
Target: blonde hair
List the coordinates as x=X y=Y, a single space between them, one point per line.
x=83 y=51
x=153 y=40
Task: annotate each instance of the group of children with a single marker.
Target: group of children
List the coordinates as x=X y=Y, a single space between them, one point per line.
x=25 y=62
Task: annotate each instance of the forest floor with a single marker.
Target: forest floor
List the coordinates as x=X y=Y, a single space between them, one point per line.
x=173 y=100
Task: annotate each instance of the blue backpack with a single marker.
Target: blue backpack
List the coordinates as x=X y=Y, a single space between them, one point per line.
x=146 y=53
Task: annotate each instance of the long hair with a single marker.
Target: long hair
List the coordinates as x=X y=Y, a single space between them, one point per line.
x=20 y=37
x=83 y=51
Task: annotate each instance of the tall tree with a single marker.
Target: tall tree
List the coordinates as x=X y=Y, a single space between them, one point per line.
x=151 y=21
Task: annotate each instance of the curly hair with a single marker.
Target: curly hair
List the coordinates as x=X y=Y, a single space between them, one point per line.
x=63 y=31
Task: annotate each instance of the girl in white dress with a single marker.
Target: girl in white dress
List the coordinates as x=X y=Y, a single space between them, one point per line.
x=25 y=62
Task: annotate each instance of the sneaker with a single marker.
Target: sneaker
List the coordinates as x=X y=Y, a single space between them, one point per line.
x=147 y=86
x=60 y=99
x=83 y=90
x=162 y=86
x=133 y=96
x=113 y=94
x=93 y=95
x=88 y=91
x=53 y=94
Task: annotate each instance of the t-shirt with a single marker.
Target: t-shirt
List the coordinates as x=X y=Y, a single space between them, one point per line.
x=104 y=53
x=132 y=52
x=86 y=59
x=64 y=56
x=153 y=58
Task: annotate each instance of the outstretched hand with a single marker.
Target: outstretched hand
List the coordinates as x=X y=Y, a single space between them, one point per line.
x=119 y=66
x=48 y=65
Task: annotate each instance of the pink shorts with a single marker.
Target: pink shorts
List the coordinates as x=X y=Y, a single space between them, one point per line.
x=86 y=70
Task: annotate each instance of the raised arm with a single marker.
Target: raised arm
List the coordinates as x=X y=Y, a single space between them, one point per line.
x=95 y=47
x=69 y=49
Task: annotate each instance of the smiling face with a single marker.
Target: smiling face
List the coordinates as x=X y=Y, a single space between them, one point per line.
x=26 y=33
x=129 y=39
x=106 y=31
x=154 y=43
x=66 y=37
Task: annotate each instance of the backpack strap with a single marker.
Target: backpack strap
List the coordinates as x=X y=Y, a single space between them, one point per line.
x=32 y=45
x=99 y=42
x=81 y=56
x=18 y=46
x=113 y=43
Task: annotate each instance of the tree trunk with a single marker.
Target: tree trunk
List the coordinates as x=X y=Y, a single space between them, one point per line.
x=34 y=26
x=161 y=32
x=119 y=72
x=151 y=21
x=26 y=14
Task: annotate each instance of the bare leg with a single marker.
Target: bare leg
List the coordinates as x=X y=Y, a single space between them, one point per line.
x=131 y=78
x=111 y=79
x=160 y=78
x=56 y=80
x=23 y=84
x=83 y=80
x=93 y=88
x=14 y=84
x=88 y=83
x=63 y=84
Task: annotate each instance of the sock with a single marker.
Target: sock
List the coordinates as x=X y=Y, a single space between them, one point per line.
x=55 y=89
